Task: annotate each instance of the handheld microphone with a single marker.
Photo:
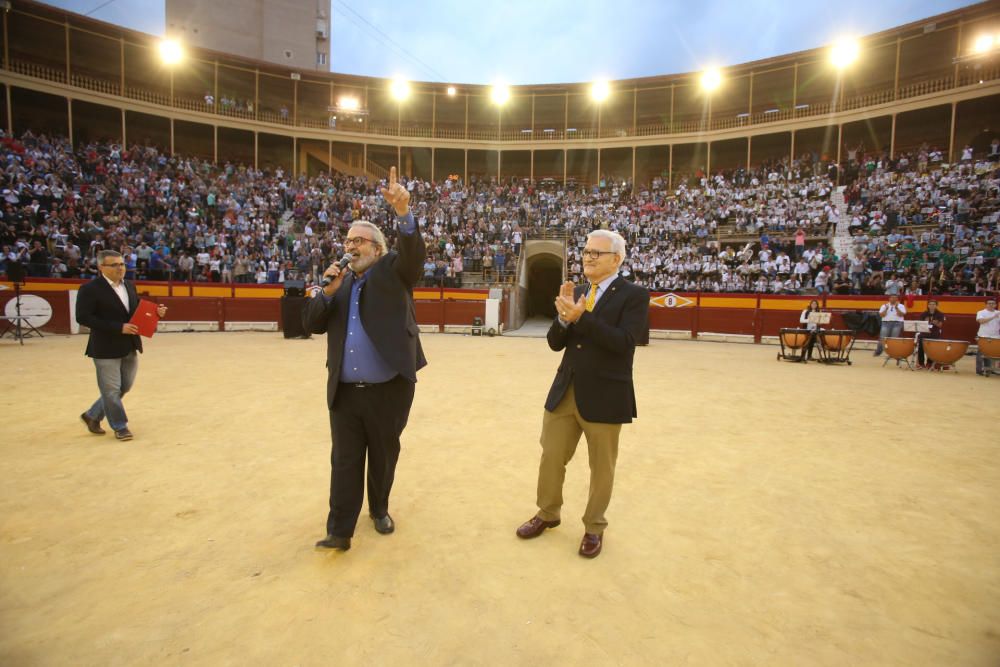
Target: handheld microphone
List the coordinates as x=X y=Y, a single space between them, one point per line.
x=341 y=263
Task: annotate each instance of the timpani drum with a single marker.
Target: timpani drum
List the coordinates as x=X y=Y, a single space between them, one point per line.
x=835 y=346
x=990 y=349
x=943 y=353
x=793 y=344
x=900 y=349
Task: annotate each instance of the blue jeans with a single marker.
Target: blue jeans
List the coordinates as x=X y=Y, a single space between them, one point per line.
x=114 y=378
x=888 y=330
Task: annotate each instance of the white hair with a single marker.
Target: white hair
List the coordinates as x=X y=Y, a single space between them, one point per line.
x=379 y=236
x=617 y=242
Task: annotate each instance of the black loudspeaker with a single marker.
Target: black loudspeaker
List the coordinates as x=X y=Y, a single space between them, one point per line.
x=16 y=273
x=295 y=288
x=291 y=316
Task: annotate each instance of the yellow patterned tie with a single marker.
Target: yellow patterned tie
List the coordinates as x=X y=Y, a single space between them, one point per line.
x=591 y=297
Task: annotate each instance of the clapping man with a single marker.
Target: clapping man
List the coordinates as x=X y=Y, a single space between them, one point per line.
x=597 y=329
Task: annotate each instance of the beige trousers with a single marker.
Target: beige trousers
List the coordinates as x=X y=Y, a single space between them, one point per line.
x=561 y=431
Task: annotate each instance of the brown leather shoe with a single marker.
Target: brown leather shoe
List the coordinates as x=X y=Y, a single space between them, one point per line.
x=93 y=425
x=535 y=527
x=590 y=547
x=123 y=434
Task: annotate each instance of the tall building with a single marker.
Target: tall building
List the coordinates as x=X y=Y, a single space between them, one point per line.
x=293 y=33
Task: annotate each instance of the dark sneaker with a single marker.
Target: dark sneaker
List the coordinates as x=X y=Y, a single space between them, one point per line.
x=123 y=434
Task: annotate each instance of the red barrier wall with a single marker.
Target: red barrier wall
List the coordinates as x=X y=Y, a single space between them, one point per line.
x=737 y=314
x=766 y=315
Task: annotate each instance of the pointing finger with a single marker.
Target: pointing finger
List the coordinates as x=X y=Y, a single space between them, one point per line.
x=392 y=176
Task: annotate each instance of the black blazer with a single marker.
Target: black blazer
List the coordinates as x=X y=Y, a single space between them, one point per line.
x=599 y=348
x=100 y=309
x=387 y=313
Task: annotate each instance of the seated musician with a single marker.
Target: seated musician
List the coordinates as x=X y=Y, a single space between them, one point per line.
x=936 y=319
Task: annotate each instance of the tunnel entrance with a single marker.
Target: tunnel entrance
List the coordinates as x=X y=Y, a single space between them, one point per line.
x=544 y=277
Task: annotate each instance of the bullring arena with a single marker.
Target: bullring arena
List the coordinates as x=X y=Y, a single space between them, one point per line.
x=781 y=514
x=765 y=511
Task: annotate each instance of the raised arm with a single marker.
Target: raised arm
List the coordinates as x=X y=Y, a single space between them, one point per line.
x=410 y=244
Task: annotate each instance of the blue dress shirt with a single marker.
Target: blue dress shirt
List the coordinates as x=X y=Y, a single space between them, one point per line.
x=362 y=362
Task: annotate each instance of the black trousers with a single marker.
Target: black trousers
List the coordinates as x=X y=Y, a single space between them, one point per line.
x=920 y=346
x=364 y=421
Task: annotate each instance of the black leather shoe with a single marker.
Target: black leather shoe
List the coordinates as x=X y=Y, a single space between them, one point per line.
x=334 y=542
x=385 y=525
x=93 y=425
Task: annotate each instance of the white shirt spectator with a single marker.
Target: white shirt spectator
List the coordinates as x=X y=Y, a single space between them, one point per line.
x=894 y=286
x=988 y=328
x=890 y=314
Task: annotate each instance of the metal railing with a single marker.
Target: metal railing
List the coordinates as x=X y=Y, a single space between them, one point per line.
x=969 y=77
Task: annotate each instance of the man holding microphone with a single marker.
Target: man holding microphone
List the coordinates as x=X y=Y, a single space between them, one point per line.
x=373 y=355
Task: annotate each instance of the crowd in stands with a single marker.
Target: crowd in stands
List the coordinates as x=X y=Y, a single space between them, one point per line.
x=916 y=224
x=920 y=226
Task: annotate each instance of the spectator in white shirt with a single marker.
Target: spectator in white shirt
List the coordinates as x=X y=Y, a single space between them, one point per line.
x=892 y=315
x=822 y=280
x=894 y=286
x=988 y=320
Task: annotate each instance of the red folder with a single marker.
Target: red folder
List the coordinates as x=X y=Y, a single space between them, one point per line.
x=145 y=318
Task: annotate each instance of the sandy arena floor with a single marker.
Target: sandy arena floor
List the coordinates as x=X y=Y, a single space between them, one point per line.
x=765 y=514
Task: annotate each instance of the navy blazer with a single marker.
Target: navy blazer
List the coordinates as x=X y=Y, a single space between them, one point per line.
x=597 y=354
x=387 y=313
x=100 y=309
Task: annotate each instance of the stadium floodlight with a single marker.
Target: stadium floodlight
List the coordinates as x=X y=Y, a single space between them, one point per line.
x=499 y=94
x=400 y=89
x=711 y=79
x=348 y=103
x=171 y=52
x=844 y=52
x=451 y=91
x=982 y=44
x=599 y=91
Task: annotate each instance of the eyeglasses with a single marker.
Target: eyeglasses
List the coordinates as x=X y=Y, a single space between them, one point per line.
x=119 y=265
x=356 y=241
x=597 y=254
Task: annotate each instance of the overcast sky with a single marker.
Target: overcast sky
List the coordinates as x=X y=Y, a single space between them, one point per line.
x=556 y=41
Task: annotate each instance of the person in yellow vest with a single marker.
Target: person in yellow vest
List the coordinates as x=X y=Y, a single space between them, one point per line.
x=597 y=328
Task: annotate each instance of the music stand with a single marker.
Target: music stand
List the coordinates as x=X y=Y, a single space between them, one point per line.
x=16 y=324
x=818 y=318
x=917 y=326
